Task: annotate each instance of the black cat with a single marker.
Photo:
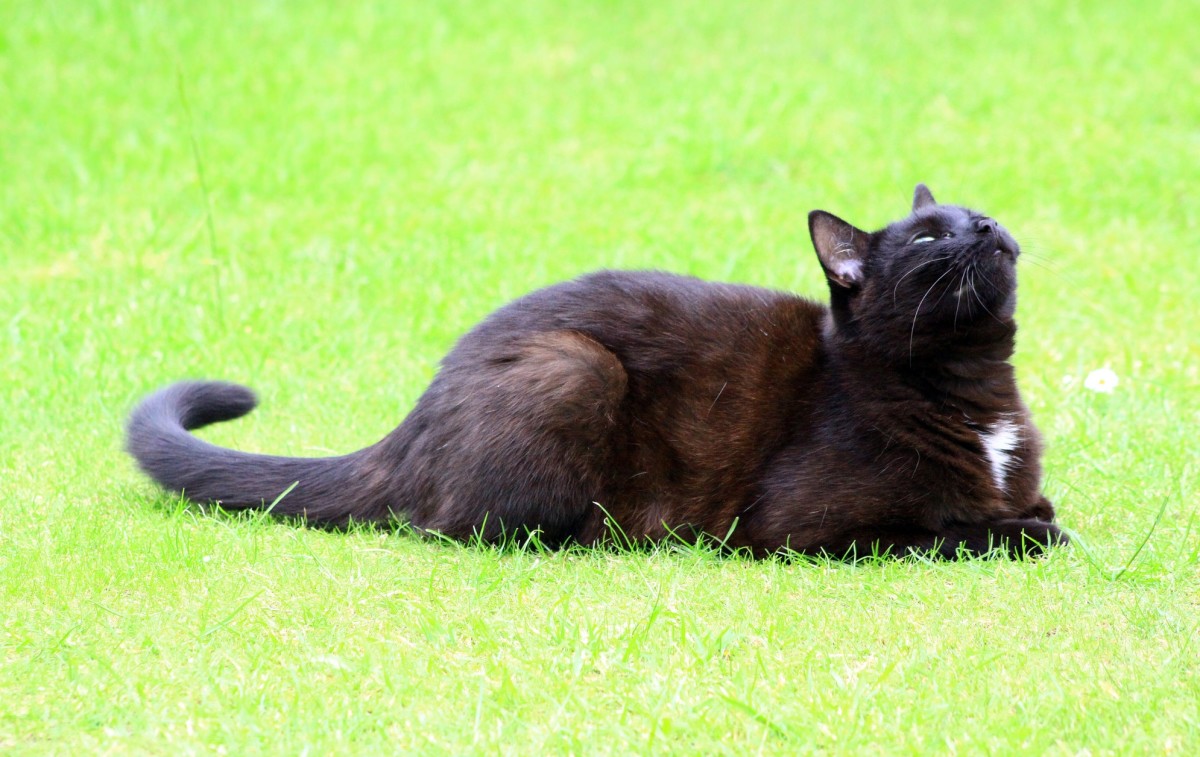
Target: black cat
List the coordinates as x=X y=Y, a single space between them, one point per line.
x=888 y=422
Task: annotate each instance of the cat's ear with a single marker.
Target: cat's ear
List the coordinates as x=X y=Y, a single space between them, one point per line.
x=842 y=248
x=922 y=198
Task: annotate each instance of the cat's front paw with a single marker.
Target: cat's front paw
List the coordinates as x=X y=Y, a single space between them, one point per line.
x=1029 y=537
x=1040 y=510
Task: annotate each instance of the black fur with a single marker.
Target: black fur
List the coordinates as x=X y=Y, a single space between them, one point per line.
x=669 y=405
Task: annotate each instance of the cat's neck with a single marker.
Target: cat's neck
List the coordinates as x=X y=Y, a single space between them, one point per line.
x=972 y=374
x=976 y=386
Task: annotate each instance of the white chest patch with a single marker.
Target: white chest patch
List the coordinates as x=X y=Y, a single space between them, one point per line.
x=999 y=442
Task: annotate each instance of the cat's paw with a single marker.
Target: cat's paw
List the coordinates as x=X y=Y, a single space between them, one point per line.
x=1028 y=537
x=1040 y=510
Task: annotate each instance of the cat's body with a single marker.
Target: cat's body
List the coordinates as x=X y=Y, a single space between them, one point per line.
x=651 y=404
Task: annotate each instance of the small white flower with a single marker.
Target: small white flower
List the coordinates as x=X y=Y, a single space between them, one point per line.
x=332 y=661
x=1101 y=380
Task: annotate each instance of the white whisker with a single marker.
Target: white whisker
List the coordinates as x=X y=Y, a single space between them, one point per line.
x=912 y=333
x=958 y=299
x=979 y=298
x=911 y=270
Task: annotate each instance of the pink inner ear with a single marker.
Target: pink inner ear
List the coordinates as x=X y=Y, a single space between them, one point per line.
x=849 y=269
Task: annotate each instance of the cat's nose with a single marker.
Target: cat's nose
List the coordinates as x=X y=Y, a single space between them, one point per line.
x=986 y=226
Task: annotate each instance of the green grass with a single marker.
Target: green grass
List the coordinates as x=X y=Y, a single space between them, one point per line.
x=316 y=198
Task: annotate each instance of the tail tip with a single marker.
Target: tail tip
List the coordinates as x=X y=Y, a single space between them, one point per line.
x=219 y=401
x=193 y=404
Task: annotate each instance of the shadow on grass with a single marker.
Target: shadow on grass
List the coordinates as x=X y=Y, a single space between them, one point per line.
x=680 y=541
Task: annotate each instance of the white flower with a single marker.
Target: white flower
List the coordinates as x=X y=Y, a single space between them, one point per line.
x=1101 y=380
x=332 y=661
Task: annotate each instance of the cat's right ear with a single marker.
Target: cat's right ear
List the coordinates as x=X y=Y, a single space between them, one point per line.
x=841 y=248
x=922 y=198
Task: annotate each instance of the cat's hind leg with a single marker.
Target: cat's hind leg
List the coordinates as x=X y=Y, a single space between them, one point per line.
x=515 y=438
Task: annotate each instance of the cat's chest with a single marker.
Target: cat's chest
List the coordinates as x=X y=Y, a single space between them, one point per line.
x=958 y=455
x=1000 y=440
x=970 y=468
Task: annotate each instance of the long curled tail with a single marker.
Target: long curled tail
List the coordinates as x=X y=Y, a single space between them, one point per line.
x=328 y=490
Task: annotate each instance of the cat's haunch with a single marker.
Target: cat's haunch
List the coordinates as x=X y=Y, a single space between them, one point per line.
x=654 y=406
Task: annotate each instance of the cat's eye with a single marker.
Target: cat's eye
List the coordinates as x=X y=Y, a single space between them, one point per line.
x=924 y=237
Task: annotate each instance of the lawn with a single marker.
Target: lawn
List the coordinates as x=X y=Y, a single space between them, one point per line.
x=315 y=199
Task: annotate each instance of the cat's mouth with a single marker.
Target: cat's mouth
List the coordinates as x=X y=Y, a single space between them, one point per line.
x=987 y=255
x=987 y=270
x=996 y=249
x=1002 y=244
x=1007 y=248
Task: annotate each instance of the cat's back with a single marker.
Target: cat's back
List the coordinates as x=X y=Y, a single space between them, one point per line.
x=659 y=316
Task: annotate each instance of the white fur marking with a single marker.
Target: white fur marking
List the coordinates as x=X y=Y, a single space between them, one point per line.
x=998 y=445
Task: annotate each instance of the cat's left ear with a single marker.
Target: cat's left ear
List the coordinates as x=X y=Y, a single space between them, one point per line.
x=841 y=247
x=922 y=198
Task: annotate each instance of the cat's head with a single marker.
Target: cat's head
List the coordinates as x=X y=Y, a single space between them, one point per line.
x=943 y=276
